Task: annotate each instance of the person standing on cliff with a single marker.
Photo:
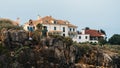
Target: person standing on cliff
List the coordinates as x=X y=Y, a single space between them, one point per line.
x=44 y=32
x=31 y=28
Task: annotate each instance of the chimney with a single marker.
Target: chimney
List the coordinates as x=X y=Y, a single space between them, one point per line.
x=52 y=21
x=83 y=31
x=67 y=22
x=39 y=17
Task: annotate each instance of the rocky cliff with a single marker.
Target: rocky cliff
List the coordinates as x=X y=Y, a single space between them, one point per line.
x=16 y=51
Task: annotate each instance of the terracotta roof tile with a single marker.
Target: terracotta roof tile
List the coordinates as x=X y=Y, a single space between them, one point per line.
x=71 y=25
x=61 y=22
x=94 y=33
x=51 y=20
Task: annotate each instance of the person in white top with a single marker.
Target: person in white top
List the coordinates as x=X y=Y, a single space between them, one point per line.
x=31 y=28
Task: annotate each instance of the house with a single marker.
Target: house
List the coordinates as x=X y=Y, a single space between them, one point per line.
x=55 y=26
x=65 y=28
x=89 y=35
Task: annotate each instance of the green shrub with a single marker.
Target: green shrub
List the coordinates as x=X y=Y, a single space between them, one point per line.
x=93 y=43
x=83 y=48
x=115 y=39
x=3 y=50
x=6 y=23
x=68 y=41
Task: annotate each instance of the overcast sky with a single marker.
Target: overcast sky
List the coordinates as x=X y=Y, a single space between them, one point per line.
x=96 y=14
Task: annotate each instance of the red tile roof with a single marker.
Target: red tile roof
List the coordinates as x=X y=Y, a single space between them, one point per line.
x=93 y=33
x=49 y=19
x=71 y=25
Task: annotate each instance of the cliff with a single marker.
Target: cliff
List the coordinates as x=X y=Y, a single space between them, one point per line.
x=16 y=51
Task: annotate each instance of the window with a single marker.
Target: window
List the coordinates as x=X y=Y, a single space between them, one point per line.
x=54 y=28
x=96 y=38
x=55 y=22
x=86 y=37
x=73 y=29
x=63 y=29
x=79 y=37
x=64 y=35
x=70 y=29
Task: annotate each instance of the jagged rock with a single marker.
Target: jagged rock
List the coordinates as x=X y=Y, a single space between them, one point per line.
x=13 y=38
x=58 y=53
x=98 y=58
x=53 y=52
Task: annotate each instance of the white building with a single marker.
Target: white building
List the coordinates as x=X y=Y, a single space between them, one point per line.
x=65 y=28
x=54 y=26
x=89 y=35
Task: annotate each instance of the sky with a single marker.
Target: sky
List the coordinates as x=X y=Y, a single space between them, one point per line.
x=95 y=14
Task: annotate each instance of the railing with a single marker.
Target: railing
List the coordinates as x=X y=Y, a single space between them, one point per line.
x=72 y=33
x=54 y=32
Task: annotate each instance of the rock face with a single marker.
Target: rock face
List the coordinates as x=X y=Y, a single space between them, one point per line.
x=17 y=38
x=96 y=57
x=45 y=53
x=52 y=52
x=57 y=54
x=12 y=38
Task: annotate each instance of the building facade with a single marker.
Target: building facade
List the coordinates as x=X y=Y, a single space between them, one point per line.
x=90 y=35
x=65 y=28
x=56 y=27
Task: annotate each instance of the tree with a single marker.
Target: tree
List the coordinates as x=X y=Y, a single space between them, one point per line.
x=102 y=31
x=115 y=39
x=87 y=28
x=102 y=41
x=7 y=23
x=39 y=26
x=4 y=23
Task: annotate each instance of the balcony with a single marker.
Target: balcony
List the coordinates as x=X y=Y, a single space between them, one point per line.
x=72 y=33
x=55 y=32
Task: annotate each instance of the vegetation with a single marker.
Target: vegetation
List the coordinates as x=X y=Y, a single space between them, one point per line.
x=115 y=39
x=57 y=52
x=102 y=41
x=112 y=48
x=102 y=31
x=87 y=28
x=66 y=40
x=3 y=50
x=39 y=26
x=6 y=23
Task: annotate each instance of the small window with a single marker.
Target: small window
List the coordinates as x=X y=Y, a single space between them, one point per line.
x=63 y=29
x=64 y=35
x=86 y=37
x=45 y=27
x=79 y=37
x=55 y=22
x=54 y=28
x=70 y=29
x=73 y=29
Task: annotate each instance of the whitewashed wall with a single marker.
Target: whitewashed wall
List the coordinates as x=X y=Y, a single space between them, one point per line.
x=83 y=38
x=58 y=28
